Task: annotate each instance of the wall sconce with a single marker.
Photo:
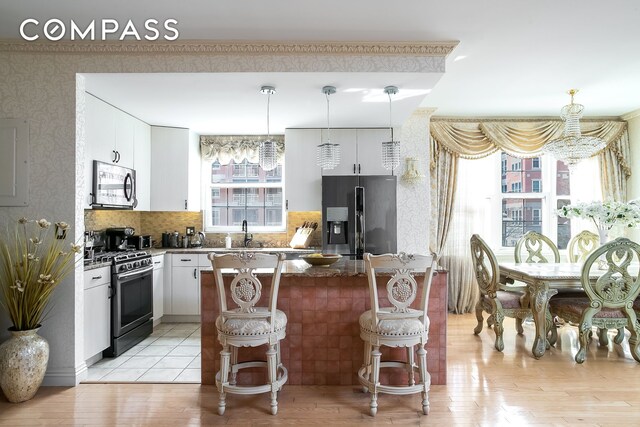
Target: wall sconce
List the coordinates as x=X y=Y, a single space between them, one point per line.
x=412 y=173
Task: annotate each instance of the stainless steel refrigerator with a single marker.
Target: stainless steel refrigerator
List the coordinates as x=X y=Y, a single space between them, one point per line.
x=359 y=214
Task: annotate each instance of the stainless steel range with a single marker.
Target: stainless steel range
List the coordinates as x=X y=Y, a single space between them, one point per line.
x=131 y=299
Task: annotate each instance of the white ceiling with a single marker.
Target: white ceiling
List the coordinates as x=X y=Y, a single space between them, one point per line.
x=519 y=58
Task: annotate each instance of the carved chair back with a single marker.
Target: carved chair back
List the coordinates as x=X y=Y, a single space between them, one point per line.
x=245 y=288
x=581 y=245
x=538 y=247
x=485 y=266
x=617 y=287
x=402 y=288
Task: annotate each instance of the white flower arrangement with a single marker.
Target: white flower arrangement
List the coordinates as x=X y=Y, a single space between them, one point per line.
x=604 y=214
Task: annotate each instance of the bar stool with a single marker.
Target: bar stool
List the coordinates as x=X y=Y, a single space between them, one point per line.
x=248 y=325
x=396 y=326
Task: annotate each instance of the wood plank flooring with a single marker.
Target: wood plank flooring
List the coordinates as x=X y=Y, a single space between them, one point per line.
x=485 y=388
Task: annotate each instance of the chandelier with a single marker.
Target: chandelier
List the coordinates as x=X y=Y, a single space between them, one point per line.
x=328 y=154
x=267 y=152
x=573 y=147
x=391 y=148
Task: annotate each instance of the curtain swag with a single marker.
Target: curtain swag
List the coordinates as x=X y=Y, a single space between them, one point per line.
x=474 y=139
x=225 y=148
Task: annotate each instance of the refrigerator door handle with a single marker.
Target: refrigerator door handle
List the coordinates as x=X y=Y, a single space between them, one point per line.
x=359 y=220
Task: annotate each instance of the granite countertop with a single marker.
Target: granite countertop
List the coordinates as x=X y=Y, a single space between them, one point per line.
x=160 y=251
x=95 y=265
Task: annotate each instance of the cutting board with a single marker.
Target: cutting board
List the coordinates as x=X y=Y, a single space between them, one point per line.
x=303 y=234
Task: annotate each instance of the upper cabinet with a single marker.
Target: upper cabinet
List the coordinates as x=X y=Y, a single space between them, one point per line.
x=302 y=179
x=360 y=151
x=114 y=136
x=175 y=169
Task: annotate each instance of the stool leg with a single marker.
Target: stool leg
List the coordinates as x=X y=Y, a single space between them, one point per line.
x=410 y=362
x=272 y=368
x=422 y=354
x=373 y=388
x=234 y=362
x=225 y=355
x=367 y=364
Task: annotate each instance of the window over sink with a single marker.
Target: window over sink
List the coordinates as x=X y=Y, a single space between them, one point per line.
x=243 y=191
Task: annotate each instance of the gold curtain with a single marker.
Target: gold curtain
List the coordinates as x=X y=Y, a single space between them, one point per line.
x=225 y=148
x=615 y=169
x=444 y=174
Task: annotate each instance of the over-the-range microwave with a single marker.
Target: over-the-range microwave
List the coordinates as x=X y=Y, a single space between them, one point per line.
x=114 y=187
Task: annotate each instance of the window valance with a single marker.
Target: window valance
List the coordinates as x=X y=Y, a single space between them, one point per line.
x=225 y=148
x=473 y=139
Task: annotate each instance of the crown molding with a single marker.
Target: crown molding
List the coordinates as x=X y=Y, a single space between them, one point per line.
x=631 y=115
x=235 y=47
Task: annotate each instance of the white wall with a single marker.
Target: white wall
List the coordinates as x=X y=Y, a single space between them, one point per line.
x=633 y=185
x=42 y=88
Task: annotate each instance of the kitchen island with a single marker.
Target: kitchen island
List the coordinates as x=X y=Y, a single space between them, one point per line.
x=323 y=344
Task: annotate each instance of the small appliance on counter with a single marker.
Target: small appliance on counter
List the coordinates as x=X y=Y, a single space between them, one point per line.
x=140 y=242
x=94 y=243
x=118 y=238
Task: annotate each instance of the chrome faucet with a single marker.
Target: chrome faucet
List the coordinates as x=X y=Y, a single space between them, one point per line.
x=247 y=237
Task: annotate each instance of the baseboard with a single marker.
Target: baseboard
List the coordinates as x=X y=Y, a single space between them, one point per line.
x=67 y=377
x=180 y=318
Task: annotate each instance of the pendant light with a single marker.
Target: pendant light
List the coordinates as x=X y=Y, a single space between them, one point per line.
x=267 y=153
x=391 y=148
x=328 y=154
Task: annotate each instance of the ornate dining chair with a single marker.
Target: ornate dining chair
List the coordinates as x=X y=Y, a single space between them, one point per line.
x=538 y=247
x=581 y=245
x=397 y=325
x=248 y=325
x=610 y=298
x=496 y=302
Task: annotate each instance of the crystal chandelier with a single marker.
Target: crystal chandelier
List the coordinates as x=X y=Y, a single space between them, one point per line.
x=573 y=147
x=391 y=148
x=328 y=154
x=267 y=152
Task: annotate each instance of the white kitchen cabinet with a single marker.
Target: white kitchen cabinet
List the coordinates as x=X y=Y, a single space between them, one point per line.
x=369 y=144
x=158 y=288
x=97 y=311
x=175 y=169
x=114 y=136
x=303 y=180
x=347 y=138
x=142 y=164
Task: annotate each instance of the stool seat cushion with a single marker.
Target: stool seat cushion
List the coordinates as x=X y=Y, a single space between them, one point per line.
x=251 y=325
x=404 y=326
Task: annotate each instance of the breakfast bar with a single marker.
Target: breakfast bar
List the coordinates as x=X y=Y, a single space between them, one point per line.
x=323 y=344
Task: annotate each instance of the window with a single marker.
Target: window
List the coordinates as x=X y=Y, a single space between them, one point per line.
x=243 y=191
x=524 y=204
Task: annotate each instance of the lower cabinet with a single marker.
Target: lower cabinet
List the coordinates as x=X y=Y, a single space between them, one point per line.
x=97 y=311
x=158 y=288
x=182 y=283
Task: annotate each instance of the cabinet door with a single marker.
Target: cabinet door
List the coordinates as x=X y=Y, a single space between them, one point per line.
x=185 y=297
x=370 y=150
x=97 y=314
x=125 y=133
x=142 y=164
x=158 y=287
x=169 y=164
x=303 y=178
x=347 y=140
x=100 y=130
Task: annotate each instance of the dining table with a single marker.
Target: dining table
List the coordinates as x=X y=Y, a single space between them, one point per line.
x=543 y=280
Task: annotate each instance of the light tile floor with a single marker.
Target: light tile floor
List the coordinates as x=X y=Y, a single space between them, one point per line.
x=171 y=354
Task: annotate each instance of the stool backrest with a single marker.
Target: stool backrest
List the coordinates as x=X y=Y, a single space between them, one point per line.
x=539 y=248
x=581 y=245
x=245 y=288
x=402 y=288
x=617 y=287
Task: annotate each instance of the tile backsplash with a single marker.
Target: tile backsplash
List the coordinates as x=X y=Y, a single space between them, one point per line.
x=156 y=223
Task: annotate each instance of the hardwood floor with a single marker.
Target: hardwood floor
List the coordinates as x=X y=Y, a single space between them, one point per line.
x=485 y=388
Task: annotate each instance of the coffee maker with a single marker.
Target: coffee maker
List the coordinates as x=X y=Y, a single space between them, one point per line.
x=117 y=238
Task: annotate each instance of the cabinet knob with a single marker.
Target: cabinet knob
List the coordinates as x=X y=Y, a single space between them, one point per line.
x=195 y=273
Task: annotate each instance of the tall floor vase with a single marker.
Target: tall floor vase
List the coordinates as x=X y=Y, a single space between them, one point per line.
x=23 y=363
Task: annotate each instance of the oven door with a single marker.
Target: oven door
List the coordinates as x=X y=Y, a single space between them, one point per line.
x=132 y=300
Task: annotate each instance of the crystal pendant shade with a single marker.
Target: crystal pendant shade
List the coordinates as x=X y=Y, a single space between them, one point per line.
x=268 y=155
x=573 y=147
x=391 y=148
x=327 y=153
x=267 y=152
x=390 y=154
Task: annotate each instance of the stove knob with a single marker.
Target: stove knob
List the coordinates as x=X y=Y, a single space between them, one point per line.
x=147 y=261
x=123 y=267
x=136 y=264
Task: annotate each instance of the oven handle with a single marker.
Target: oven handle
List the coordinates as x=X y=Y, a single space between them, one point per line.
x=134 y=273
